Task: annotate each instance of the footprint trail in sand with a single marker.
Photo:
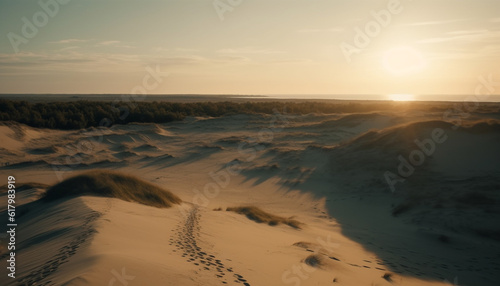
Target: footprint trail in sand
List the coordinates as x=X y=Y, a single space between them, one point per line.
x=185 y=240
x=40 y=275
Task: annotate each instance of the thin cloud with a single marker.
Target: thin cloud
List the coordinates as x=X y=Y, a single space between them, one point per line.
x=476 y=36
x=190 y=60
x=84 y=62
x=247 y=50
x=232 y=59
x=68 y=61
x=40 y=61
x=429 y=23
x=108 y=43
x=69 y=41
x=69 y=48
x=465 y=44
x=484 y=53
x=114 y=44
x=181 y=61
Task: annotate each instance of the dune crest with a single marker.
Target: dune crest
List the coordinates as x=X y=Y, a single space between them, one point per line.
x=260 y=216
x=113 y=184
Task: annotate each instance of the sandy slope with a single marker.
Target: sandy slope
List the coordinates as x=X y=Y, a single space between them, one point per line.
x=327 y=171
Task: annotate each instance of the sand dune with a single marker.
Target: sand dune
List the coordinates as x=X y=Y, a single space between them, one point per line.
x=114 y=185
x=438 y=225
x=260 y=216
x=146 y=147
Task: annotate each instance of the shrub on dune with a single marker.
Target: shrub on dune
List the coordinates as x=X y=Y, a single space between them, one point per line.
x=318 y=261
x=115 y=185
x=387 y=276
x=260 y=216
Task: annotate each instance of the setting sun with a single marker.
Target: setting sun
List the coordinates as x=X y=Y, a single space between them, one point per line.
x=401 y=97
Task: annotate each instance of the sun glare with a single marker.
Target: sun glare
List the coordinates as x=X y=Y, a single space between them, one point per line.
x=401 y=97
x=403 y=60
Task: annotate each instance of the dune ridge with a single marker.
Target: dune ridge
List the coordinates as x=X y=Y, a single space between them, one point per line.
x=325 y=169
x=112 y=184
x=256 y=214
x=407 y=132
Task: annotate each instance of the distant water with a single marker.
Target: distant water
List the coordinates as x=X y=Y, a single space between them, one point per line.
x=396 y=97
x=223 y=97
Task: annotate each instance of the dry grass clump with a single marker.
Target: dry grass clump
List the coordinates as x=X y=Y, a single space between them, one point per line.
x=319 y=261
x=314 y=260
x=260 y=216
x=305 y=244
x=387 y=276
x=115 y=185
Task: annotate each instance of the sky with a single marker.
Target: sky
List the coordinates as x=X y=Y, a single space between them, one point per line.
x=251 y=47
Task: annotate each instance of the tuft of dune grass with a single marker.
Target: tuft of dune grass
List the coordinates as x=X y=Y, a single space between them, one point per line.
x=387 y=276
x=315 y=260
x=256 y=214
x=114 y=185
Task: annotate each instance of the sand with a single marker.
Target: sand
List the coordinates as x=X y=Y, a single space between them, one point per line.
x=325 y=171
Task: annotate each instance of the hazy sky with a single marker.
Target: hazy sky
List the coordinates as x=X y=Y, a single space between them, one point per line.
x=249 y=46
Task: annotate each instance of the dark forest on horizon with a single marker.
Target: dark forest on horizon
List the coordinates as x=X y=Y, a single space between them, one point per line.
x=85 y=114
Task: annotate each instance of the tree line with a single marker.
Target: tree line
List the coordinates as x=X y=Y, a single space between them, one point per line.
x=84 y=114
